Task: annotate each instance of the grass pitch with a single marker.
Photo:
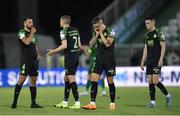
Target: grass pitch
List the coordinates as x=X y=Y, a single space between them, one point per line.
x=130 y=101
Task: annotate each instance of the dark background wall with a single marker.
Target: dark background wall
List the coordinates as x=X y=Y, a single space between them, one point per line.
x=49 y=12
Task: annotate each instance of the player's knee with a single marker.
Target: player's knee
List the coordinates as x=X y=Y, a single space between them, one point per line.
x=110 y=80
x=155 y=79
x=155 y=82
x=71 y=78
x=33 y=81
x=21 y=80
x=150 y=81
x=66 y=79
x=94 y=77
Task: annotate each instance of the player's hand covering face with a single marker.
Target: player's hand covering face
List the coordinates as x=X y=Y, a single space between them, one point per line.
x=101 y=28
x=96 y=28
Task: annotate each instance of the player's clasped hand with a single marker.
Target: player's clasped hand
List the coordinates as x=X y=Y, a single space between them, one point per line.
x=160 y=63
x=38 y=57
x=50 y=52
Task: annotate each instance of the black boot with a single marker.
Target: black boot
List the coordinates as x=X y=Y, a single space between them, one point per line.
x=36 y=106
x=33 y=97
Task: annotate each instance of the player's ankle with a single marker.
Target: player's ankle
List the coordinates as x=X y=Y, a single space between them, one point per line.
x=77 y=102
x=15 y=102
x=65 y=101
x=168 y=95
x=93 y=103
x=33 y=102
x=153 y=102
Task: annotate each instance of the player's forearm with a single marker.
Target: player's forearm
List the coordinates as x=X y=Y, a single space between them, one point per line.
x=105 y=40
x=93 y=41
x=60 y=48
x=163 y=50
x=37 y=50
x=86 y=51
x=143 y=59
x=144 y=55
x=79 y=43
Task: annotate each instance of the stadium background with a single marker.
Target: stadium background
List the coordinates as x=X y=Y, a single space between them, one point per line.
x=125 y=16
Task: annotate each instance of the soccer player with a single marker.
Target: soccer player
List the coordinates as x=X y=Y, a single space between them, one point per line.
x=70 y=40
x=105 y=60
x=29 y=62
x=91 y=51
x=154 y=50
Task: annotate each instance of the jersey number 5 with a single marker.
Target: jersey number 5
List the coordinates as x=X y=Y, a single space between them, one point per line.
x=75 y=42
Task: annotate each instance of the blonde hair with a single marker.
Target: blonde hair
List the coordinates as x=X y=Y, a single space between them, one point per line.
x=66 y=19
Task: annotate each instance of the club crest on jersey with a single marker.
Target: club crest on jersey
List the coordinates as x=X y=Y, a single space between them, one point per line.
x=150 y=42
x=155 y=36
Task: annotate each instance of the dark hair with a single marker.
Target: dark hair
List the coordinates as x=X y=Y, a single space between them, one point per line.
x=150 y=18
x=67 y=19
x=26 y=18
x=96 y=20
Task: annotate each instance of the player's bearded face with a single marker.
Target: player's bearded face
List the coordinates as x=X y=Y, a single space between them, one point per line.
x=29 y=23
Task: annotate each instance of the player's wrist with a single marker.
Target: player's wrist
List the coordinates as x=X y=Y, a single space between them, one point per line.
x=161 y=59
x=54 y=51
x=31 y=34
x=142 y=62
